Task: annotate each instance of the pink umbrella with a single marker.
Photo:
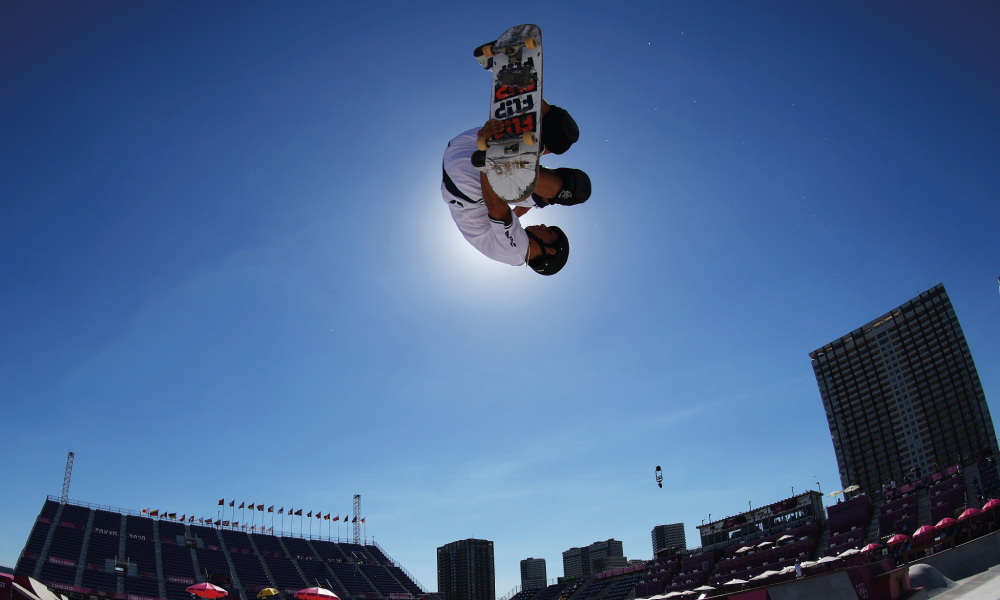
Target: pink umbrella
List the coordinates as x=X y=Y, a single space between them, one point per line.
x=968 y=514
x=870 y=547
x=945 y=522
x=899 y=538
x=207 y=590
x=316 y=593
x=994 y=503
x=925 y=530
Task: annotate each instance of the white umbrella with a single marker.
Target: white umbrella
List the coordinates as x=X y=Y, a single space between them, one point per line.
x=826 y=559
x=786 y=537
x=849 y=552
x=685 y=593
x=704 y=588
x=832 y=494
x=808 y=563
x=786 y=570
x=853 y=488
x=763 y=544
x=744 y=549
x=764 y=575
x=735 y=582
x=670 y=595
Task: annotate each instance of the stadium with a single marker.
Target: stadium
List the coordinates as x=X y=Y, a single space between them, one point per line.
x=91 y=551
x=86 y=552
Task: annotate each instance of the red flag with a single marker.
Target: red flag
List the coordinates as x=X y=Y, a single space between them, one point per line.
x=241 y=504
x=327 y=517
x=337 y=518
x=222 y=502
x=182 y=517
x=270 y=508
x=362 y=519
x=191 y=519
x=260 y=507
x=309 y=514
x=208 y=521
x=319 y=515
x=154 y=513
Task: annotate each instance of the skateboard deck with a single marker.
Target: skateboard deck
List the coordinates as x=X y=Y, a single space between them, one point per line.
x=515 y=59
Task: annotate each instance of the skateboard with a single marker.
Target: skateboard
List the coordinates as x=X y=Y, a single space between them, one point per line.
x=515 y=59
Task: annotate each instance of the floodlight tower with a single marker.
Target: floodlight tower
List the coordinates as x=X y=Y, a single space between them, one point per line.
x=357 y=518
x=66 y=477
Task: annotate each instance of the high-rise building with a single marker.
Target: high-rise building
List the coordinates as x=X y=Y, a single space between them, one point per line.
x=583 y=562
x=465 y=570
x=902 y=393
x=533 y=573
x=668 y=536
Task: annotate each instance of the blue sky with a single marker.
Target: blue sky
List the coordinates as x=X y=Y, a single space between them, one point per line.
x=228 y=271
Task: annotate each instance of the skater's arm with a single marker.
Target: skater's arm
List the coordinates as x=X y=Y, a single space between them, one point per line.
x=520 y=210
x=497 y=208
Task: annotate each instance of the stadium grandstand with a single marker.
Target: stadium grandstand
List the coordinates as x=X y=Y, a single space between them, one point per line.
x=760 y=548
x=89 y=551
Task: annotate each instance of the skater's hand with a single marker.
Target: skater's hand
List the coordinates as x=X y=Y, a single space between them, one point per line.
x=491 y=128
x=520 y=210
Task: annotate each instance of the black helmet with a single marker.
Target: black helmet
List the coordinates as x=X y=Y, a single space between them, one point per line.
x=550 y=264
x=559 y=130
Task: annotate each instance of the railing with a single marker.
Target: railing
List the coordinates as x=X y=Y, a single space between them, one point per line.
x=133 y=513
x=396 y=564
x=513 y=592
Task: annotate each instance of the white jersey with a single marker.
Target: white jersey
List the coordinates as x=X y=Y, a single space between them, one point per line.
x=504 y=243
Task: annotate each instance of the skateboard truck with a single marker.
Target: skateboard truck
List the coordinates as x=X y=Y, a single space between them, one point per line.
x=528 y=137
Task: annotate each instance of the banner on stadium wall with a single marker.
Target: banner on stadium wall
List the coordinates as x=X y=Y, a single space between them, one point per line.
x=186 y=580
x=6 y=584
x=62 y=561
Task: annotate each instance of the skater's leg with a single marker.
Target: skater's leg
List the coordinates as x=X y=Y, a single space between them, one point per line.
x=562 y=186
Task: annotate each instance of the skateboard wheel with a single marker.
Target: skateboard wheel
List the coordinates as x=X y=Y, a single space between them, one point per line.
x=488 y=50
x=529 y=138
x=529 y=43
x=481 y=143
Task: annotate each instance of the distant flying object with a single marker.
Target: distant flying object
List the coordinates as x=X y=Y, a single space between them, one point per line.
x=659 y=476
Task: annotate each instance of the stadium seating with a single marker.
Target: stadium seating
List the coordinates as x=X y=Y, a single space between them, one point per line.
x=382 y=580
x=350 y=576
x=525 y=594
x=847 y=516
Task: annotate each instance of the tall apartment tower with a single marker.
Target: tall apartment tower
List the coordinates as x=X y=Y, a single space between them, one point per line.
x=533 y=573
x=465 y=570
x=668 y=536
x=902 y=393
x=583 y=562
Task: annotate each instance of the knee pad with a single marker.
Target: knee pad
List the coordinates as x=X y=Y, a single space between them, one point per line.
x=575 y=188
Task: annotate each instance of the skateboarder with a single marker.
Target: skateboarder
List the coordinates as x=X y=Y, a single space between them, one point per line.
x=488 y=223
